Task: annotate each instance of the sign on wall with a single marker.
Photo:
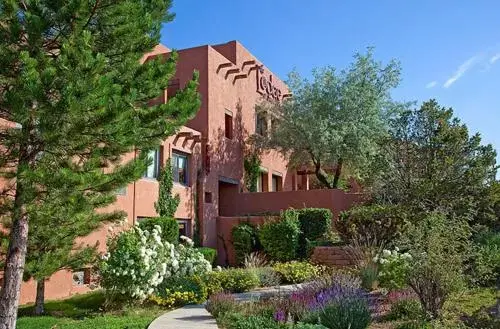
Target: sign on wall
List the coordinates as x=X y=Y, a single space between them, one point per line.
x=265 y=85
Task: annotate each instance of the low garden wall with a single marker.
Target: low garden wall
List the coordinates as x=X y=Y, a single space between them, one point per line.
x=241 y=204
x=331 y=256
x=225 y=249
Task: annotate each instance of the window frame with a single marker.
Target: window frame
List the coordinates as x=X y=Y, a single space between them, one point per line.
x=175 y=165
x=156 y=165
x=228 y=125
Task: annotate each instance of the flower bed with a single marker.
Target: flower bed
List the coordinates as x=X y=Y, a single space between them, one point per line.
x=330 y=302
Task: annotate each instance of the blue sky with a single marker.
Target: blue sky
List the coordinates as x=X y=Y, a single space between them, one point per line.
x=448 y=49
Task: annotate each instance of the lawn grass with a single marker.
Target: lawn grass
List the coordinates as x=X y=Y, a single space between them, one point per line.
x=86 y=312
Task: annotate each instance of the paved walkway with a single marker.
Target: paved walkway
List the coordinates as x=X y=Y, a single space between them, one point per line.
x=266 y=292
x=197 y=317
x=187 y=317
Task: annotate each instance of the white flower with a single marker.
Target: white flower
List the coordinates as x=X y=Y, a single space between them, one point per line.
x=386 y=253
x=396 y=248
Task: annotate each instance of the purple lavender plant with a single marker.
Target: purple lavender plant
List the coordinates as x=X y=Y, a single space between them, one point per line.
x=280 y=316
x=315 y=297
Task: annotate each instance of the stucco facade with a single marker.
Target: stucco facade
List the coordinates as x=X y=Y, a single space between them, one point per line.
x=211 y=148
x=232 y=81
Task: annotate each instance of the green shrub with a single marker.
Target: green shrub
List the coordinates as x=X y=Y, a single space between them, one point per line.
x=366 y=224
x=180 y=291
x=212 y=283
x=296 y=272
x=482 y=319
x=241 y=321
x=415 y=324
x=369 y=277
x=169 y=227
x=314 y=224
x=486 y=259
x=394 y=267
x=221 y=303
x=237 y=279
x=438 y=245
x=280 y=238
x=268 y=277
x=352 y=313
x=308 y=326
x=210 y=254
x=405 y=309
x=245 y=240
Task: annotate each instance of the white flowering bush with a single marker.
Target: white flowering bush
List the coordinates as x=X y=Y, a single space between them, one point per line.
x=394 y=267
x=138 y=261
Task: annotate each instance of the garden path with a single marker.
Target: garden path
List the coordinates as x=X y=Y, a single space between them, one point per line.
x=196 y=317
x=266 y=292
x=187 y=317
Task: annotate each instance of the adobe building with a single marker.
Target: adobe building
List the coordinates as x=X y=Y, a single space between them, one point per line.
x=207 y=157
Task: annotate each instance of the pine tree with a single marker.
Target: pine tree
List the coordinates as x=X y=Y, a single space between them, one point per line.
x=74 y=98
x=166 y=204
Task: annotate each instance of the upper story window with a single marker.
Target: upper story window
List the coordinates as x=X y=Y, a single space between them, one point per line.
x=228 y=125
x=180 y=168
x=153 y=169
x=173 y=87
x=261 y=123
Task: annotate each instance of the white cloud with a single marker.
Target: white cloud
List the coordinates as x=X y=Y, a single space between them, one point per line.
x=431 y=84
x=495 y=58
x=461 y=70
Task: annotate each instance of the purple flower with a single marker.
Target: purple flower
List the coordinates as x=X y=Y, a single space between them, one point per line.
x=280 y=316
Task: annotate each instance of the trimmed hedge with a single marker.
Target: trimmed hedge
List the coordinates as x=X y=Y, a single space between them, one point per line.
x=169 y=227
x=280 y=238
x=365 y=223
x=314 y=224
x=245 y=240
x=296 y=272
x=210 y=254
x=236 y=279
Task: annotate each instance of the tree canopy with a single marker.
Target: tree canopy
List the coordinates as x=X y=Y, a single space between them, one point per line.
x=337 y=119
x=433 y=163
x=76 y=98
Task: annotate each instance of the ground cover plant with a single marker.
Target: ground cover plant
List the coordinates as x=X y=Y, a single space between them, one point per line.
x=87 y=312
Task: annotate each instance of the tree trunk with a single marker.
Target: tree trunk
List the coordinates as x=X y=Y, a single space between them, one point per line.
x=14 y=264
x=322 y=175
x=338 y=171
x=40 y=297
x=18 y=243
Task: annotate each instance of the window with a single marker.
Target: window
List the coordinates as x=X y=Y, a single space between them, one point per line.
x=153 y=169
x=228 y=125
x=173 y=87
x=262 y=183
x=183 y=227
x=276 y=181
x=208 y=197
x=180 y=168
x=82 y=277
x=261 y=123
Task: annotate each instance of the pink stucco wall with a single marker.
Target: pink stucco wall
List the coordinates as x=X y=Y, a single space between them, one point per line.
x=225 y=249
x=241 y=204
x=228 y=84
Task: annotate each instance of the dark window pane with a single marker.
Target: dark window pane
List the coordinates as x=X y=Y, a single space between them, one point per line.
x=180 y=168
